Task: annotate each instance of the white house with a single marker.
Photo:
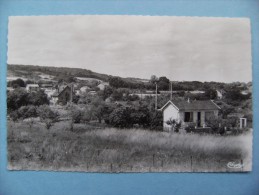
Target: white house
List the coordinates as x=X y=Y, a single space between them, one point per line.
x=84 y=89
x=220 y=94
x=32 y=87
x=102 y=86
x=188 y=112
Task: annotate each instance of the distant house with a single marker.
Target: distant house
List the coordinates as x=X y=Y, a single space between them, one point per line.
x=197 y=92
x=84 y=89
x=220 y=94
x=188 y=112
x=63 y=95
x=32 y=87
x=92 y=92
x=143 y=95
x=46 y=85
x=102 y=86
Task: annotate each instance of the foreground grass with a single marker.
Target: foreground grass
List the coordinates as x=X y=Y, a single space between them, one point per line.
x=92 y=149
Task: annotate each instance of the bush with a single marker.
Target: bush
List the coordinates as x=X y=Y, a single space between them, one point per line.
x=47 y=116
x=16 y=99
x=174 y=125
x=190 y=127
x=14 y=115
x=120 y=117
x=76 y=115
x=27 y=112
x=156 y=120
x=38 y=98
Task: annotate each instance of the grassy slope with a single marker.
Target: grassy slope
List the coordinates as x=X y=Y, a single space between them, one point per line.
x=114 y=150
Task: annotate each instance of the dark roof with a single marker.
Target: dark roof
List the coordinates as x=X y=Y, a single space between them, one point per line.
x=59 y=90
x=193 y=105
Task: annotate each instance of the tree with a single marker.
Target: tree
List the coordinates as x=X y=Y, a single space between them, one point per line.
x=48 y=116
x=236 y=95
x=97 y=107
x=16 y=99
x=29 y=111
x=140 y=115
x=120 y=117
x=117 y=95
x=156 y=120
x=106 y=92
x=38 y=98
x=18 y=83
x=210 y=93
x=163 y=83
x=116 y=82
x=153 y=79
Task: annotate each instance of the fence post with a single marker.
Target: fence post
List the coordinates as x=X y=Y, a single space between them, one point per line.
x=191 y=163
x=162 y=163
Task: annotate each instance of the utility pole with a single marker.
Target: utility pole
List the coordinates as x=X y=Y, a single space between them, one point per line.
x=171 y=90
x=156 y=98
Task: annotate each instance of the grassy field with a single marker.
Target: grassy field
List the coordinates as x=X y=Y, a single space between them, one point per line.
x=94 y=149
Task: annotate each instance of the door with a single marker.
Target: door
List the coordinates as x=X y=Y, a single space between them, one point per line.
x=199 y=119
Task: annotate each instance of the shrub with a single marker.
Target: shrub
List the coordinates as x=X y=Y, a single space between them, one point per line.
x=120 y=117
x=76 y=115
x=214 y=123
x=14 y=115
x=47 y=116
x=190 y=127
x=174 y=125
x=38 y=98
x=16 y=99
x=27 y=112
x=156 y=120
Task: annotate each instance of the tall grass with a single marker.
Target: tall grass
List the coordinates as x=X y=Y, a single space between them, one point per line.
x=128 y=150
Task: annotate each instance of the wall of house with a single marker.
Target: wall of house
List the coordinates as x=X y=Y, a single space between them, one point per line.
x=170 y=112
x=64 y=96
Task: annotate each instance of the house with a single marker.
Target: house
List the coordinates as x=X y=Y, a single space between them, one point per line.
x=220 y=94
x=84 y=89
x=46 y=85
x=92 y=92
x=32 y=87
x=63 y=94
x=102 y=86
x=188 y=112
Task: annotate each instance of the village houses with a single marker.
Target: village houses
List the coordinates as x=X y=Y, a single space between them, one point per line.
x=188 y=112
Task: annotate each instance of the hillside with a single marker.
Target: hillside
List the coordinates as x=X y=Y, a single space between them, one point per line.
x=33 y=72
x=30 y=71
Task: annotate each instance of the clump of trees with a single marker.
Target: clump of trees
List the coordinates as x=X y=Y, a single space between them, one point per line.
x=48 y=116
x=16 y=83
x=128 y=117
x=20 y=97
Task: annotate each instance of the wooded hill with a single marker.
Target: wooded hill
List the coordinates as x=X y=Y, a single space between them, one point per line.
x=68 y=74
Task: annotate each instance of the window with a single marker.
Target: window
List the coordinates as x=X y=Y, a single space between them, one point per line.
x=188 y=117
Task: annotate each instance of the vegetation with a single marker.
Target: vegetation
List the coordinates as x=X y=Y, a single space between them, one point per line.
x=47 y=116
x=20 y=97
x=92 y=148
x=118 y=128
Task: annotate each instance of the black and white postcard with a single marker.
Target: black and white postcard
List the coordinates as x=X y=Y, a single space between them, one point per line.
x=111 y=93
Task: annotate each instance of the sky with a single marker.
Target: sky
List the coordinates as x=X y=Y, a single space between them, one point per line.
x=180 y=48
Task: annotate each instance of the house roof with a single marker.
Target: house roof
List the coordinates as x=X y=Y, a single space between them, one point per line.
x=192 y=105
x=103 y=84
x=32 y=85
x=60 y=90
